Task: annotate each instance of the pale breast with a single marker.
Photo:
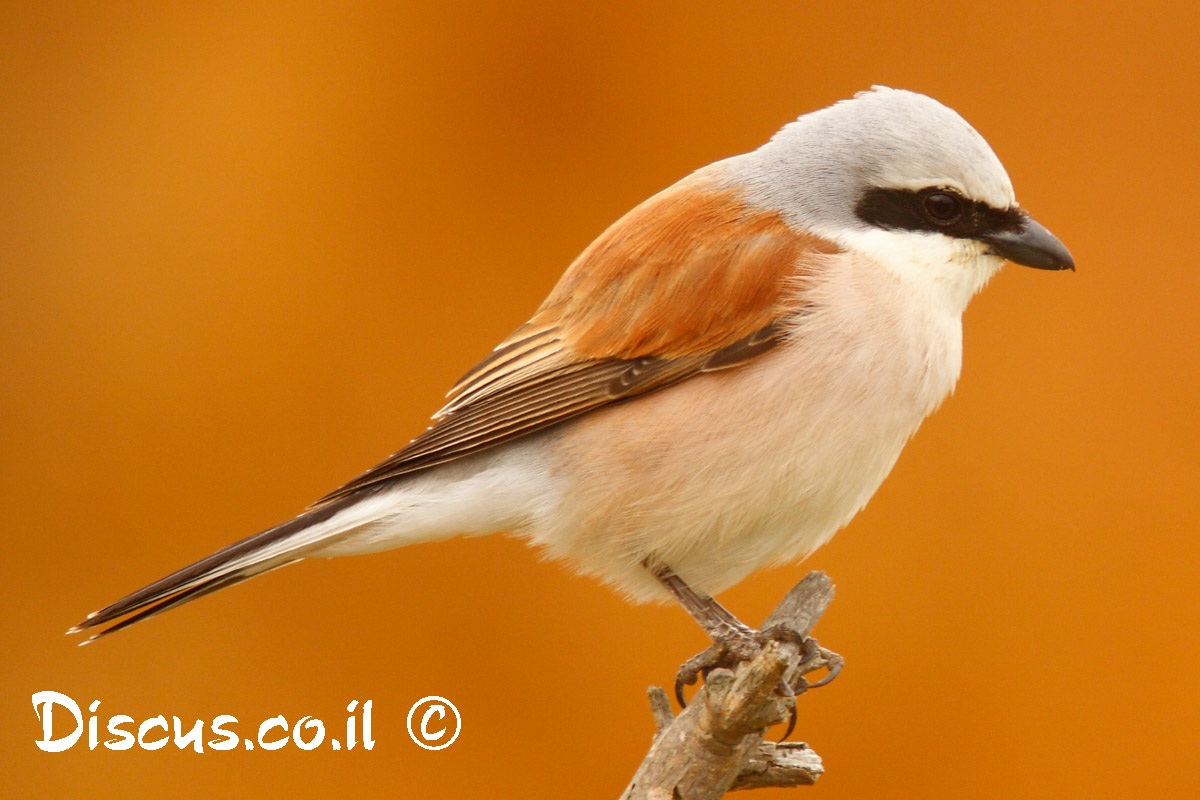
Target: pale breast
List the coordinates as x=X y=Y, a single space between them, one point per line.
x=728 y=471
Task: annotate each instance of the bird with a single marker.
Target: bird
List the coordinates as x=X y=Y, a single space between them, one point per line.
x=720 y=381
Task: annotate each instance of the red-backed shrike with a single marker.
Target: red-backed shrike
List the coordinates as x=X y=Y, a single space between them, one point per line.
x=721 y=380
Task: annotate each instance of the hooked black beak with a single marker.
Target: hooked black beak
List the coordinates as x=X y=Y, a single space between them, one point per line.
x=1030 y=245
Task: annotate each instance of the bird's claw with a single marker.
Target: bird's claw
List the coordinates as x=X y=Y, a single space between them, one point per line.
x=731 y=648
x=814 y=658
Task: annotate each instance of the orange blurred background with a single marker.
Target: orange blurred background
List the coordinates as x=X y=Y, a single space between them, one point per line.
x=246 y=247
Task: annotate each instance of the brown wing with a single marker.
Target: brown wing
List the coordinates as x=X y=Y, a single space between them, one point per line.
x=691 y=281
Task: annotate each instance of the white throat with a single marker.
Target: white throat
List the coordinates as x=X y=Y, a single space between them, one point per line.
x=949 y=270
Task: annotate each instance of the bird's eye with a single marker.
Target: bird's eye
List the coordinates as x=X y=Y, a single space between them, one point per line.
x=943 y=207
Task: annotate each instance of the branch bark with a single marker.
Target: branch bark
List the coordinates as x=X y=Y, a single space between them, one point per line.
x=716 y=744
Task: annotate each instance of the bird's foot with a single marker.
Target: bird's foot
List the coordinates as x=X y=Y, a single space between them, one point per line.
x=729 y=648
x=737 y=644
x=815 y=657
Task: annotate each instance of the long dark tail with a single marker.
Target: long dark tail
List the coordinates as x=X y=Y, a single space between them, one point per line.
x=273 y=548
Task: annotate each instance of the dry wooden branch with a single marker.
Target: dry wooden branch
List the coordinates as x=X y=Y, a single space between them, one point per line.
x=716 y=744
